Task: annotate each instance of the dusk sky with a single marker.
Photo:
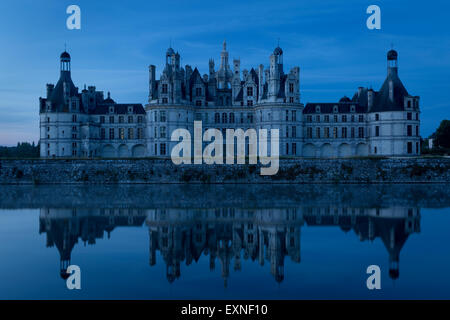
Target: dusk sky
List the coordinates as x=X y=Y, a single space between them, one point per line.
x=328 y=40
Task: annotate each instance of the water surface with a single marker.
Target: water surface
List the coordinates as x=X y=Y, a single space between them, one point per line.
x=224 y=242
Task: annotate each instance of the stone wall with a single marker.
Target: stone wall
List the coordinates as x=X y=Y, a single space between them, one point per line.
x=151 y=171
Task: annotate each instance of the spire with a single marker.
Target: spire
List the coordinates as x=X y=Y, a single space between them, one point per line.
x=224 y=45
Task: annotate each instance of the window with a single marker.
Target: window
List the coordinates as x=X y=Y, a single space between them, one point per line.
x=294 y=115
x=162 y=149
x=377 y=117
x=326 y=132
x=120 y=119
x=111 y=133
x=309 y=118
x=344 y=132
x=375 y=150
x=198 y=103
x=409 y=131
x=140 y=133
x=102 y=133
x=140 y=119
x=335 y=133
x=291 y=87
x=242 y=118
x=111 y=119
x=121 y=133
x=232 y=117
x=287 y=132
x=287 y=148
x=360 y=132
x=162 y=132
x=417 y=147
x=130 y=119
x=318 y=132
x=155 y=114
x=217 y=118
x=326 y=118
x=361 y=118
x=165 y=101
x=417 y=131
x=344 y=118
x=74 y=106
x=155 y=132
x=250 y=118
x=162 y=116
x=353 y=118
x=317 y=118
x=335 y=118
x=164 y=88
x=294 y=132
x=352 y=130
x=249 y=103
x=294 y=148
x=409 y=147
x=102 y=119
x=377 y=131
x=309 y=132
x=409 y=116
x=130 y=133
x=291 y=99
x=417 y=117
x=250 y=91
x=198 y=92
x=224 y=118
x=74 y=118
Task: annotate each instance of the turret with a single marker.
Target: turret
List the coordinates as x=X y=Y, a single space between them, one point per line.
x=392 y=62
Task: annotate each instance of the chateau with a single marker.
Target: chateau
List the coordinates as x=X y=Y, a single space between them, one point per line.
x=85 y=124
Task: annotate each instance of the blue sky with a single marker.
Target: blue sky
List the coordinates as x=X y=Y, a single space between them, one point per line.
x=328 y=39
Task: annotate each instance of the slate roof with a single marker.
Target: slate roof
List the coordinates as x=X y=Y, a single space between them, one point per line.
x=119 y=108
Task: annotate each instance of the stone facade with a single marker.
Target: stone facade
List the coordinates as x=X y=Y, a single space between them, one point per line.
x=384 y=122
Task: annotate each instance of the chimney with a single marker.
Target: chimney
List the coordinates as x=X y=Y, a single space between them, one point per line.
x=370 y=94
x=50 y=88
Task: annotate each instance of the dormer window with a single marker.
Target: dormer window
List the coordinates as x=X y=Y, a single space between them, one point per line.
x=130 y=109
x=250 y=91
x=352 y=109
x=317 y=109
x=164 y=88
x=335 y=109
x=198 y=92
x=111 y=109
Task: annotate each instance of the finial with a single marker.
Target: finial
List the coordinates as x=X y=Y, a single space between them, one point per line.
x=224 y=45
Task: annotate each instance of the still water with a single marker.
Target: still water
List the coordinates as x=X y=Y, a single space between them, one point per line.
x=225 y=242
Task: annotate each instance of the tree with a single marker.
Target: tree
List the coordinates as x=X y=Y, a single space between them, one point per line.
x=442 y=135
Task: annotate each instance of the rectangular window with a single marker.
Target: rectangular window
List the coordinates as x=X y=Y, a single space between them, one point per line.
x=409 y=146
x=294 y=115
x=409 y=131
x=111 y=133
x=162 y=149
x=102 y=133
x=130 y=133
x=250 y=91
x=162 y=116
x=165 y=101
x=291 y=87
x=360 y=132
x=249 y=103
x=102 y=119
x=309 y=132
x=111 y=119
x=327 y=132
x=291 y=99
x=377 y=117
x=130 y=119
x=294 y=149
x=287 y=132
x=162 y=132
x=409 y=116
x=377 y=131
x=361 y=118
x=352 y=132
x=140 y=133
x=287 y=148
x=164 y=88
x=198 y=92
x=74 y=118
x=344 y=118
x=121 y=133
x=417 y=131
x=287 y=115
x=344 y=132
x=294 y=132
x=309 y=118
x=326 y=118
x=140 y=119
x=318 y=132
x=335 y=133
x=120 y=119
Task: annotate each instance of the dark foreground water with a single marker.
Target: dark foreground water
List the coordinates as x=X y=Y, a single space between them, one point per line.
x=225 y=242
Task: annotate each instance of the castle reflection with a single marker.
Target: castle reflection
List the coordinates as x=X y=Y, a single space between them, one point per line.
x=228 y=235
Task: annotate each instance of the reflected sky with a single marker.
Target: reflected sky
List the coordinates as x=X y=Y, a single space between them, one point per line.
x=224 y=242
